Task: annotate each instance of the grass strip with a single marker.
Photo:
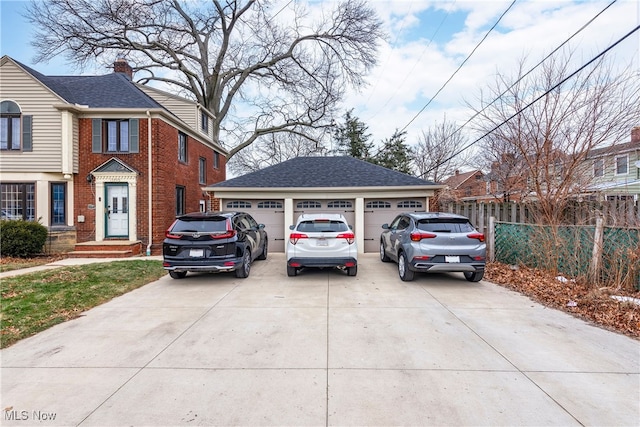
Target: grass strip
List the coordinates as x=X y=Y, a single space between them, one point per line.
x=34 y=302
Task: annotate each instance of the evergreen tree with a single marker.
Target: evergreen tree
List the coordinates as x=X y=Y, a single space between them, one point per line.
x=395 y=154
x=352 y=138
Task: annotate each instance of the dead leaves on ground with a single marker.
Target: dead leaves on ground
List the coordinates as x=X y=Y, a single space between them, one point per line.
x=580 y=299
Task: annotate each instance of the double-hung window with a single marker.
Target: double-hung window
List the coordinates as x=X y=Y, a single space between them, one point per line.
x=204 y=121
x=598 y=167
x=622 y=165
x=115 y=136
x=202 y=170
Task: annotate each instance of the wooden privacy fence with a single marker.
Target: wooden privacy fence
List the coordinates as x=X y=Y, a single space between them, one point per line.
x=616 y=213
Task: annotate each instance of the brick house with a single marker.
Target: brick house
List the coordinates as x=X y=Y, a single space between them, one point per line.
x=101 y=161
x=464 y=186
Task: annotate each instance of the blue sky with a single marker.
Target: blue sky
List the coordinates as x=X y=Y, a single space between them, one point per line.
x=418 y=57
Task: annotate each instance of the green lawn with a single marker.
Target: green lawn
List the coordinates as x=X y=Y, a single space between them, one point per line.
x=34 y=302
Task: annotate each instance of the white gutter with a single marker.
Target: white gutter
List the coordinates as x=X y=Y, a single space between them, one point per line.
x=149 y=183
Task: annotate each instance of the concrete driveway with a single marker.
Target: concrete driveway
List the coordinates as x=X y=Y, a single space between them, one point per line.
x=319 y=349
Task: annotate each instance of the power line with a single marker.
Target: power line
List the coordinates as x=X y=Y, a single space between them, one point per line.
x=460 y=66
x=536 y=99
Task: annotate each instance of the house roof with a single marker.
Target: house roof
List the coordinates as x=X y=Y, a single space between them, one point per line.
x=310 y=172
x=454 y=181
x=614 y=149
x=113 y=90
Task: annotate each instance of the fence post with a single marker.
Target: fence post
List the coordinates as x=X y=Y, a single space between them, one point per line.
x=491 y=231
x=598 y=240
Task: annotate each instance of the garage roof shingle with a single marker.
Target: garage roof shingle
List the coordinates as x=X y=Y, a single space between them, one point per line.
x=310 y=172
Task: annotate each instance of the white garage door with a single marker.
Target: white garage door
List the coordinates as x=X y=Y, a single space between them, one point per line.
x=344 y=207
x=378 y=212
x=267 y=212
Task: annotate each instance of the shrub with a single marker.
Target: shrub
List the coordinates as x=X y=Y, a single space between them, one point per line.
x=22 y=239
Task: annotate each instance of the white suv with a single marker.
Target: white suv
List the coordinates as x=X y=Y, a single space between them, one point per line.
x=322 y=240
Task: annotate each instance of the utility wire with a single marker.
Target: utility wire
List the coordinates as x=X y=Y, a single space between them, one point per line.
x=459 y=67
x=537 y=99
x=522 y=77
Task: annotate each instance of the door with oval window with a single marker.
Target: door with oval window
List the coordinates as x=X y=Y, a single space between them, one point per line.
x=117 y=210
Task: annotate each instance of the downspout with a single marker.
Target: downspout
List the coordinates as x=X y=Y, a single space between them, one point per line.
x=149 y=188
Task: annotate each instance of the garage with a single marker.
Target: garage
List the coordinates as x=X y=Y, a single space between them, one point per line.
x=367 y=195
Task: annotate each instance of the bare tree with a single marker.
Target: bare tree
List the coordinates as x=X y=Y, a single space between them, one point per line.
x=544 y=145
x=436 y=152
x=258 y=70
x=274 y=149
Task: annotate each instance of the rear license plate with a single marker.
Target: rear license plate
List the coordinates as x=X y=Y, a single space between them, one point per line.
x=322 y=242
x=451 y=259
x=196 y=252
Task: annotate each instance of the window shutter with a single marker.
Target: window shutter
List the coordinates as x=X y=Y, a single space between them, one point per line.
x=27 y=134
x=96 y=136
x=134 y=140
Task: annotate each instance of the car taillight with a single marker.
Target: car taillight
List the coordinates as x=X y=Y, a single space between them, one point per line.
x=416 y=236
x=478 y=236
x=294 y=237
x=168 y=234
x=349 y=236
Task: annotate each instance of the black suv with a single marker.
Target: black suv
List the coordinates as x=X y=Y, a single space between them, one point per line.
x=213 y=242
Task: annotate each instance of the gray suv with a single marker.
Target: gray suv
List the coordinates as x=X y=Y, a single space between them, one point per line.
x=433 y=242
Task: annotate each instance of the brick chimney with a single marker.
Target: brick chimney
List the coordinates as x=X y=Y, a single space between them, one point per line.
x=635 y=134
x=122 y=66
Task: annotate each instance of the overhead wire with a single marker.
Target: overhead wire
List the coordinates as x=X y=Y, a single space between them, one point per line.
x=604 y=52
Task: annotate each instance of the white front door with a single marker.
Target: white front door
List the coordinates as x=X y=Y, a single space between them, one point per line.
x=117 y=204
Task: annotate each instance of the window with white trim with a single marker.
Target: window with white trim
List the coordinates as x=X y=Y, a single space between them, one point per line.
x=413 y=204
x=270 y=204
x=238 y=204
x=308 y=204
x=598 y=167
x=340 y=204
x=378 y=204
x=15 y=128
x=182 y=147
x=18 y=200
x=622 y=165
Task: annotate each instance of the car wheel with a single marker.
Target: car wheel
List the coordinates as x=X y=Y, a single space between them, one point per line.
x=263 y=255
x=352 y=271
x=178 y=274
x=291 y=271
x=383 y=254
x=403 y=268
x=245 y=268
x=474 y=276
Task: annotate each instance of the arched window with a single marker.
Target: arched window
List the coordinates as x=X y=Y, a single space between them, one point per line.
x=238 y=204
x=378 y=204
x=270 y=204
x=308 y=204
x=340 y=204
x=410 y=204
x=15 y=128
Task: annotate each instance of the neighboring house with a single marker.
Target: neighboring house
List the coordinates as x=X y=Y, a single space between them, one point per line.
x=615 y=170
x=366 y=194
x=464 y=186
x=101 y=160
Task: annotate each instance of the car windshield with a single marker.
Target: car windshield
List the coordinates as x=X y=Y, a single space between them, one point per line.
x=210 y=225
x=445 y=225
x=320 y=225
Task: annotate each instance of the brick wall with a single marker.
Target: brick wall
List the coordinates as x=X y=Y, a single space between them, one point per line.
x=168 y=173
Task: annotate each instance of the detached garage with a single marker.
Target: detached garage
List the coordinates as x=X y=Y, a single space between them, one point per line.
x=366 y=194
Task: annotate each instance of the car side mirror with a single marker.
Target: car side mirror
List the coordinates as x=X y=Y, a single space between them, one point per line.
x=260 y=226
x=350 y=227
x=385 y=226
x=291 y=227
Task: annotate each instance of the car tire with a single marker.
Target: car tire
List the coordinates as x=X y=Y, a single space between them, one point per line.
x=352 y=271
x=292 y=271
x=178 y=274
x=383 y=254
x=474 y=276
x=245 y=268
x=405 y=274
x=265 y=250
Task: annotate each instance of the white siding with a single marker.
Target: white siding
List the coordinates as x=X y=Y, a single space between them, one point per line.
x=36 y=100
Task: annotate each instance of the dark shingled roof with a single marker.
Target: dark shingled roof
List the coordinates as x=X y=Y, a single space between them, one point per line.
x=309 y=172
x=113 y=90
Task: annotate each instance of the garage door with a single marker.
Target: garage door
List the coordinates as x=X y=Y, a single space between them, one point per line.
x=344 y=207
x=267 y=212
x=378 y=212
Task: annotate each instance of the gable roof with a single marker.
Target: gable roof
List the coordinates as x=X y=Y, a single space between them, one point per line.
x=112 y=90
x=455 y=181
x=614 y=149
x=323 y=172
